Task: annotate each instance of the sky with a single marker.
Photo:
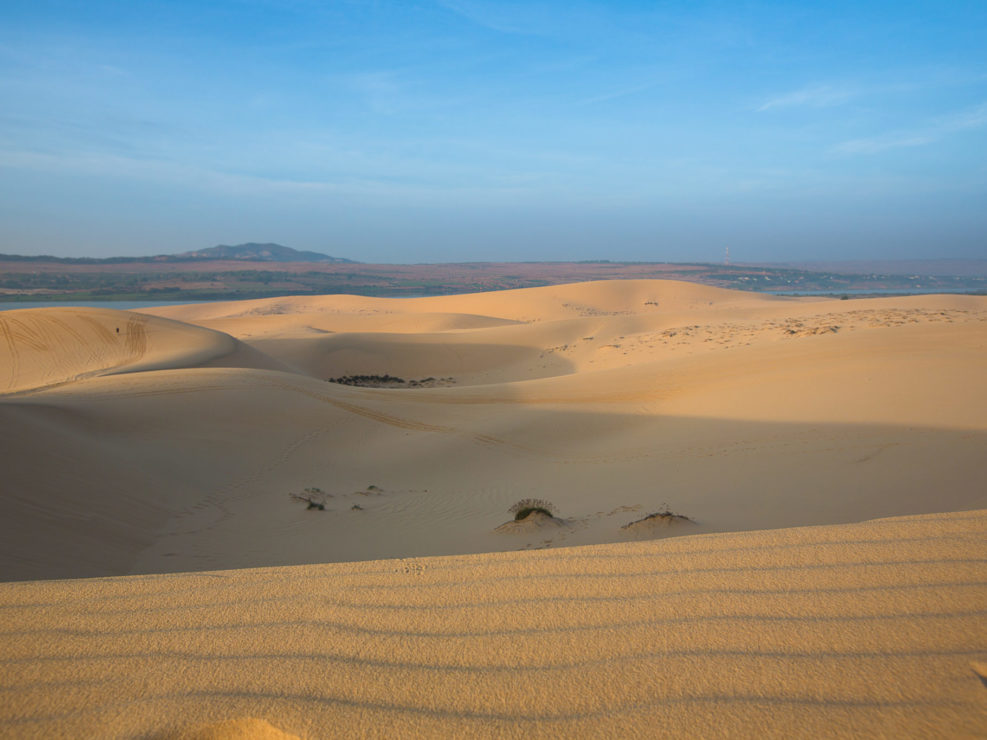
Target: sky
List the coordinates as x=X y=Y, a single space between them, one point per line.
x=471 y=130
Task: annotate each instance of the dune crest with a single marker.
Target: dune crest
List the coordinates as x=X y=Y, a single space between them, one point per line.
x=41 y=347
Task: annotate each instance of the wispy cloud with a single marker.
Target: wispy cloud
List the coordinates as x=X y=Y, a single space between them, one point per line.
x=882 y=143
x=98 y=164
x=113 y=70
x=971 y=119
x=494 y=16
x=829 y=95
x=379 y=89
x=940 y=128
x=410 y=183
x=816 y=96
x=619 y=93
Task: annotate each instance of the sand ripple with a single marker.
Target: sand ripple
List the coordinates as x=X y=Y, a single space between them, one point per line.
x=867 y=629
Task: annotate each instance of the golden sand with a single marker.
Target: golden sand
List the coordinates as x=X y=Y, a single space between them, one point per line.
x=174 y=444
x=870 y=629
x=169 y=444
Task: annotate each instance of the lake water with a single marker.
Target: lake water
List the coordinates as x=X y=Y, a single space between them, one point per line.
x=865 y=292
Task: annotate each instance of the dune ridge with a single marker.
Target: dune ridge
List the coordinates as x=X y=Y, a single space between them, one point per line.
x=175 y=446
x=165 y=468
x=43 y=347
x=869 y=629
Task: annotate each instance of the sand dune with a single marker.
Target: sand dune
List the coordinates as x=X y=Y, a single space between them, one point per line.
x=445 y=473
x=206 y=438
x=610 y=399
x=873 y=629
x=48 y=346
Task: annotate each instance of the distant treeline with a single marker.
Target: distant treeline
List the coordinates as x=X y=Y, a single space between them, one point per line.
x=76 y=279
x=48 y=259
x=79 y=260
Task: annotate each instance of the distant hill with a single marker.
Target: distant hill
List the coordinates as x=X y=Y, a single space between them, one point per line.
x=253 y=252
x=250 y=252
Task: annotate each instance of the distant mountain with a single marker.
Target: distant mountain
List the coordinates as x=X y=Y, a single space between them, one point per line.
x=253 y=252
x=250 y=252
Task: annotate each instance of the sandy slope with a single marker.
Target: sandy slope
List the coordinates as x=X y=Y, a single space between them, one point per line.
x=877 y=629
x=609 y=399
x=173 y=445
x=41 y=347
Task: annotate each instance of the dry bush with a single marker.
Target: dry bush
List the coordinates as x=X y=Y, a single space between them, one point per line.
x=316 y=498
x=527 y=506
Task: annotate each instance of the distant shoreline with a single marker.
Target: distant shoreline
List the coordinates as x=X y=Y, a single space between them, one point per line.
x=120 y=305
x=129 y=303
x=226 y=280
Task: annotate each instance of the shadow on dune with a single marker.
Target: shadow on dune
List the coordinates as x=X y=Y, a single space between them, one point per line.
x=440 y=355
x=97 y=477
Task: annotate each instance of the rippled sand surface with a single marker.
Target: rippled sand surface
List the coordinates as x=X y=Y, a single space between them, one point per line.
x=871 y=629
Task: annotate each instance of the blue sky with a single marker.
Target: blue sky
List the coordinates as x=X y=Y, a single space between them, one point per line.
x=473 y=130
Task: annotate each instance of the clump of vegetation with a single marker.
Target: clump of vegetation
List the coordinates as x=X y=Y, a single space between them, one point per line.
x=316 y=498
x=528 y=506
x=390 y=381
x=664 y=515
x=370 y=381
